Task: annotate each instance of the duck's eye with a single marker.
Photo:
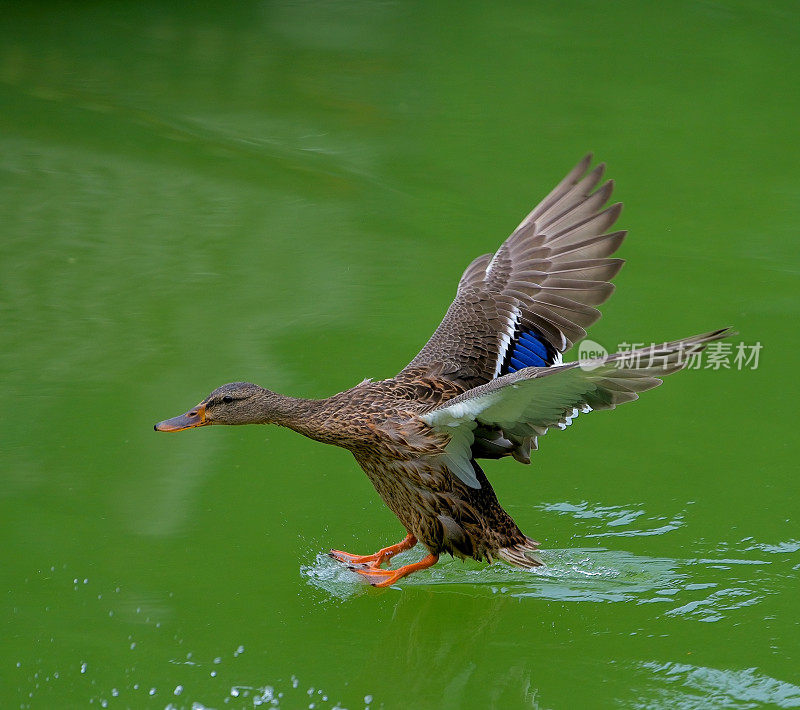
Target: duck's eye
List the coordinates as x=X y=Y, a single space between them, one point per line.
x=227 y=399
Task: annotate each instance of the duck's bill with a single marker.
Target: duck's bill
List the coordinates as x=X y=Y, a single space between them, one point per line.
x=192 y=418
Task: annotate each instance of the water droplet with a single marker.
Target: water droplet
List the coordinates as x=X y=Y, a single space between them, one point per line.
x=367 y=699
x=178 y=689
x=83 y=668
x=152 y=691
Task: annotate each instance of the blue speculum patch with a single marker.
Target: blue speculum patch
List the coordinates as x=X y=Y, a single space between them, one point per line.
x=528 y=349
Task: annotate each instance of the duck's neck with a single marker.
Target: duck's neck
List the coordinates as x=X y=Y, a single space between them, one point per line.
x=305 y=416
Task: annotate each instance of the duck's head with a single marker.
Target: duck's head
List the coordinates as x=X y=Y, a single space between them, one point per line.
x=235 y=403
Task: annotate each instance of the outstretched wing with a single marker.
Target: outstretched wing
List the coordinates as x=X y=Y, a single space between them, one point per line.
x=523 y=405
x=532 y=299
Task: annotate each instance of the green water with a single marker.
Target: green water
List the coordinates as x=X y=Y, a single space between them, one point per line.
x=287 y=193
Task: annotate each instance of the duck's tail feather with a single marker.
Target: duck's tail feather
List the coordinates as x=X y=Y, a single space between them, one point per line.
x=523 y=554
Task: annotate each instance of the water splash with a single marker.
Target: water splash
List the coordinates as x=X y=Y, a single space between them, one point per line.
x=721 y=580
x=578 y=574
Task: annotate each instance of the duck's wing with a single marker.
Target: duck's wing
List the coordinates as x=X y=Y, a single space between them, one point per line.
x=531 y=300
x=523 y=405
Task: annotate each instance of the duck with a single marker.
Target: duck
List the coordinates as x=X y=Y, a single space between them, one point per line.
x=489 y=382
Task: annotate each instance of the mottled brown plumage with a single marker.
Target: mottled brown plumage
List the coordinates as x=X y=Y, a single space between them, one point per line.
x=486 y=385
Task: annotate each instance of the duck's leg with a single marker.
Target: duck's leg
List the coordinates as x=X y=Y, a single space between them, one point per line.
x=378 y=558
x=386 y=577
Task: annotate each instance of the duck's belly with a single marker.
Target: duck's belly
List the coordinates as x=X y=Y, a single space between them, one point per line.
x=440 y=511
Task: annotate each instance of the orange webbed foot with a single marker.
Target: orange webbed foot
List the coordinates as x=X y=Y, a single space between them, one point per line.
x=376 y=559
x=387 y=577
x=348 y=559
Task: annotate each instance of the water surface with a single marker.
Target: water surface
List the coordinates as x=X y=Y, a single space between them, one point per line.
x=287 y=193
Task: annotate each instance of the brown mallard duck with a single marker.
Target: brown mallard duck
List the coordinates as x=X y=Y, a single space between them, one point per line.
x=487 y=384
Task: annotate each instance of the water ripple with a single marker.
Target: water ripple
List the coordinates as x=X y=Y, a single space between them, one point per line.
x=716 y=688
x=614 y=516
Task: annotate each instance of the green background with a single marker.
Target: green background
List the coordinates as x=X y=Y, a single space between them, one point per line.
x=287 y=193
